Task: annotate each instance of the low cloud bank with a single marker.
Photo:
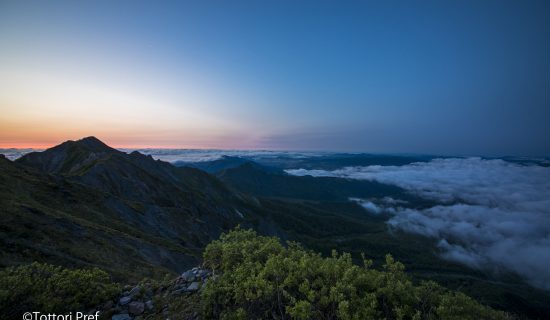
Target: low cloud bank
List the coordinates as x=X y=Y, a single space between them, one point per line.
x=493 y=213
x=201 y=155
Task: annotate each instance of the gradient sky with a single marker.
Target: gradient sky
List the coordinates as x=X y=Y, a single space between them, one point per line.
x=443 y=77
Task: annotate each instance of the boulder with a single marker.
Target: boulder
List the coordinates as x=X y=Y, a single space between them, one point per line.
x=194 y=286
x=125 y=300
x=134 y=291
x=136 y=308
x=203 y=274
x=188 y=276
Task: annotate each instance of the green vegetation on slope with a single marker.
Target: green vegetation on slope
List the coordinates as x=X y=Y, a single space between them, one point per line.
x=258 y=278
x=52 y=289
x=253 y=277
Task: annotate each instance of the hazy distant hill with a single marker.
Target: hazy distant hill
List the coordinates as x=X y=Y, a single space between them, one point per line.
x=254 y=179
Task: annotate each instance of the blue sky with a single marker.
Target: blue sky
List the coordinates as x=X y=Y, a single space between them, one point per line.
x=444 y=77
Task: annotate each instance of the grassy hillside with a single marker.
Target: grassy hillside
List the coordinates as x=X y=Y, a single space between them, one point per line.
x=50 y=219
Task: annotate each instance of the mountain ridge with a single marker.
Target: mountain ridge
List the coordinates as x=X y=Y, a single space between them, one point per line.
x=111 y=197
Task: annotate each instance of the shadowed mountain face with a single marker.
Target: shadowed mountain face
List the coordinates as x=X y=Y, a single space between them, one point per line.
x=130 y=176
x=225 y=162
x=49 y=218
x=96 y=205
x=254 y=179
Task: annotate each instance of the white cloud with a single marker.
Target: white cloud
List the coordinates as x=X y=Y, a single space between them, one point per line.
x=493 y=213
x=368 y=205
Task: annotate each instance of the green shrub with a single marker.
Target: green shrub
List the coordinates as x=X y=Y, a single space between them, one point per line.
x=258 y=278
x=53 y=289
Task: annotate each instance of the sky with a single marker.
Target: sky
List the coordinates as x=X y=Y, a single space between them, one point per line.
x=437 y=77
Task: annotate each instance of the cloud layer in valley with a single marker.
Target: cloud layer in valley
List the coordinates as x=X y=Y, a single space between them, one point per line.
x=190 y=155
x=493 y=212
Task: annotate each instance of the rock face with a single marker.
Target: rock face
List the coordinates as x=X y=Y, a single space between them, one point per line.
x=137 y=302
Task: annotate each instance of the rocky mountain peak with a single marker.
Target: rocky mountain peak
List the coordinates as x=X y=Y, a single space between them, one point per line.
x=93 y=144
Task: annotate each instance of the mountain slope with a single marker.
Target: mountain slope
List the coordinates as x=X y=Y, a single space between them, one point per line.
x=157 y=188
x=83 y=202
x=253 y=179
x=48 y=218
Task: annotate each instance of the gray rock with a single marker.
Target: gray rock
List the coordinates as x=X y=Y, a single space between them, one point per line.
x=188 y=276
x=136 y=308
x=122 y=316
x=124 y=300
x=149 y=305
x=194 y=286
x=203 y=274
x=134 y=291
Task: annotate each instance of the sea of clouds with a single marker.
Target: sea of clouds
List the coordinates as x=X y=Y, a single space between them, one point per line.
x=492 y=213
x=14 y=153
x=200 y=155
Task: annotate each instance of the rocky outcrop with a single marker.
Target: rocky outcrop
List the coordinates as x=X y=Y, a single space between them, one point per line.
x=148 y=300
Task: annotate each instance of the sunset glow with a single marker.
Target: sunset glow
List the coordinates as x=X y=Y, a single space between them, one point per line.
x=364 y=77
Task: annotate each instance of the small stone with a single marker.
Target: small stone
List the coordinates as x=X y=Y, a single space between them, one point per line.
x=188 y=276
x=134 y=291
x=136 y=308
x=122 y=316
x=149 y=305
x=193 y=286
x=124 y=300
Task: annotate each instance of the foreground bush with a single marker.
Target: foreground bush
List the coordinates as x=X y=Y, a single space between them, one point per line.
x=258 y=278
x=52 y=289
